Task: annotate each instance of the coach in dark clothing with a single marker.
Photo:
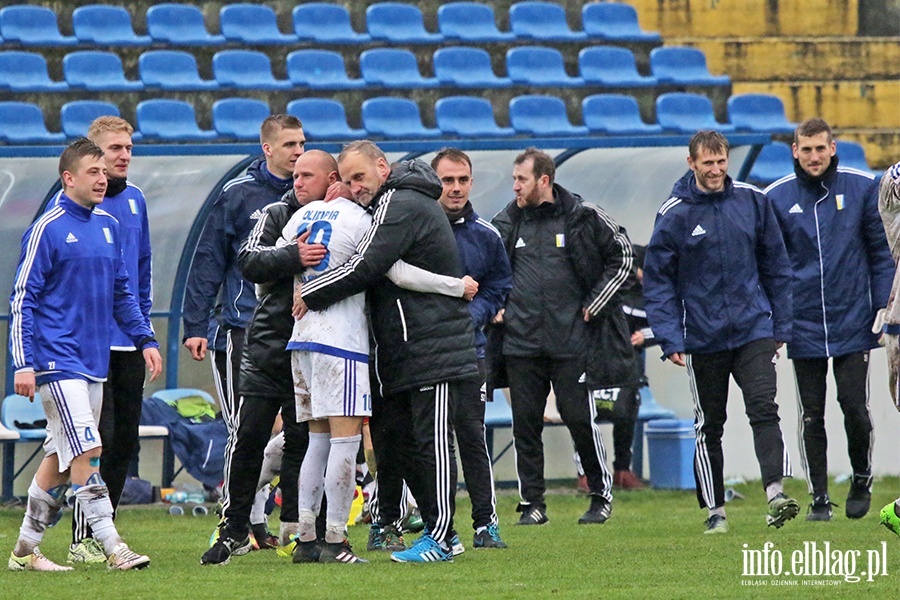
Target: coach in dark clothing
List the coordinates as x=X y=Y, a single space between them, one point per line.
x=423 y=344
x=564 y=326
x=266 y=385
x=484 y=259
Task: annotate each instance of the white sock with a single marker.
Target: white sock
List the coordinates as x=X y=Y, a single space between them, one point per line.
x=271 y=465
x=306 y=525
x=42 y=508
x=340 y=483
x=311 y=484
x=717 y=511
x=97 y=509
x=258 y=510
x=773 y=489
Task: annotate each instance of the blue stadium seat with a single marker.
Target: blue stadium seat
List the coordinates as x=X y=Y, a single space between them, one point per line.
x=680 y=112
x=539 y=66
x=246 y=69
x=26 y=72
x=320 y=70
x=760 y=113
x=170 y=121
x=397 y=118
x=683 y=66
x=614 y=22
x=542 y=116
x=470 y=22
x=104 y=25
x=97 y=71
x=392 y=68
x=325 y=23
x=466 y=67
x=615 y=114
x=76 y=116
x=23 y=123
x=324 y=119
x=32 y=26
x=775 y=160
x=468 y=116
x=542 y=21
x=239 y=118
x=180 y=25
x=398 y=23
x=20 y=409
x=612 y=67
x=172 y=70
x=252 y=24
x=853 y=155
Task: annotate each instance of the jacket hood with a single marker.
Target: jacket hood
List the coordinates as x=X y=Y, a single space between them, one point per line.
x=414 y=175
x=808 y=179
x=687 y=190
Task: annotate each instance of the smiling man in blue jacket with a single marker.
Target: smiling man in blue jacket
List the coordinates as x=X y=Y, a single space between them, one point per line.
x=718 y=297
x=842 y=273
x=70 y=292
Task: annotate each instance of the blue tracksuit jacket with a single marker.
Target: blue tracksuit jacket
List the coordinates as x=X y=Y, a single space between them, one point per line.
x=716 y=275
x=842 y=265
x=70 y=286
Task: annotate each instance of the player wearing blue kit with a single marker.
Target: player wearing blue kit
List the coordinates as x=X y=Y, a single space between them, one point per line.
x=123 y=391
x=70 y=286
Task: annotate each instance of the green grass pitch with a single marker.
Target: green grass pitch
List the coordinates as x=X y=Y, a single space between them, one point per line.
x=652 y=547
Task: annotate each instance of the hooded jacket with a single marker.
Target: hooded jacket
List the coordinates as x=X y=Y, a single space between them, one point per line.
x=716 y=275
x=842 y=265
x=597 y=258
x=484 y=259
x=418 y=339
x=215 y=274
x=265 y=364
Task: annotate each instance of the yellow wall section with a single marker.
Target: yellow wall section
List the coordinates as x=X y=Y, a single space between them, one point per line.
x=859 y=104
x=738 y=18
x=768 y=59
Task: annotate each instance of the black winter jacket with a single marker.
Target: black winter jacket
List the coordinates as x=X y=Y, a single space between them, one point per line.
x=418 y=339
x=600 y=255
x=265 y=364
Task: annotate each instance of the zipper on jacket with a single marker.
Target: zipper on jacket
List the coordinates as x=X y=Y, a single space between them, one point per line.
x=402 y=320
x=684 y=321
x=822 y=267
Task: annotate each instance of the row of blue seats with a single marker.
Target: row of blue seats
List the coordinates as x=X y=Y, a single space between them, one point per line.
x=387 y=117
x=323 y=23
x=380 y=67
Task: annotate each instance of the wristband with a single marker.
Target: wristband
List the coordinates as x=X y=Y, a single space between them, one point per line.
x=144 y=341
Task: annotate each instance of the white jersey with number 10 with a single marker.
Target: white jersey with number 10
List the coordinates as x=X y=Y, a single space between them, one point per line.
x=340 y=329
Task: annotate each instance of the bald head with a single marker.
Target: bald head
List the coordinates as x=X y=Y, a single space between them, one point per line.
x=314 y=171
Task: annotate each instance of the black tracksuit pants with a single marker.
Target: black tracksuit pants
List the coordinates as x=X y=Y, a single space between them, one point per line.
x=120 y=417
x=530 y=379
x=226 y=373
x=753 y=370
x=468 y=422
x=851 y=374
x=256 y=416
x=412 y=438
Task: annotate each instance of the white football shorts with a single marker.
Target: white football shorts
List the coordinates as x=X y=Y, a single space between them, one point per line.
x=73 y=408
x=329 y=386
